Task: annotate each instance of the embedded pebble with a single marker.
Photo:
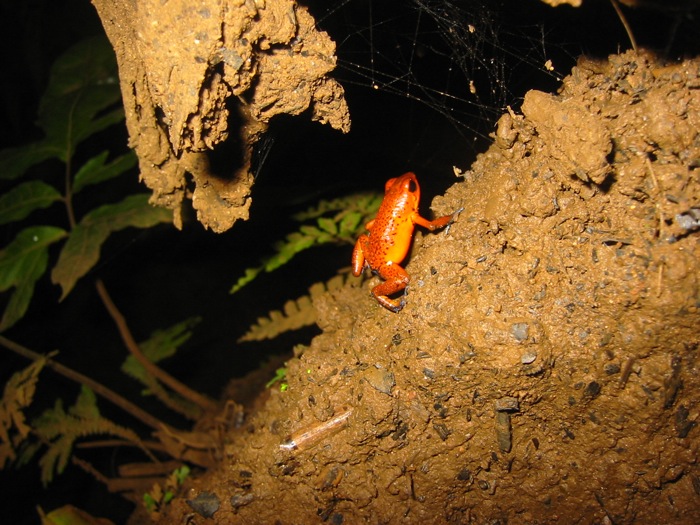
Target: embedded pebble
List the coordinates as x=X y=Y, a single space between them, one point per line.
x=205 y=504
x=507 y=404
x=520 y=331
x=528 y=357
x=380 y=379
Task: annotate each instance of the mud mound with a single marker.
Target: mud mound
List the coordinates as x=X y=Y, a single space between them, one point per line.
x=544 y=369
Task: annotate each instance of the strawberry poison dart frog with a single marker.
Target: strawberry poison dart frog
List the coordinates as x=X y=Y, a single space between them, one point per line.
x=389 y=238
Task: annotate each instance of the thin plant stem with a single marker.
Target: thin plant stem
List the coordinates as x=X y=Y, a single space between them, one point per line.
x=625 y=23
x=198 y=399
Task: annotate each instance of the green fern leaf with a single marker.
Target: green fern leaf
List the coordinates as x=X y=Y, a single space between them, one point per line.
x=341 y=227
x=18 y=395
x=328 y=225
x=161 y=345
x=296 y=314
x=82 y=250
x=60 y=429
x=249 y=275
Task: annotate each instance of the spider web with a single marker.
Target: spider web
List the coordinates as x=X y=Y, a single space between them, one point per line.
x=426 y=81
x=458 y=58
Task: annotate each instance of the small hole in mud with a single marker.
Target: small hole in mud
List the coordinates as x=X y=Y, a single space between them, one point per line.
x=605 y=186
x=227 y=157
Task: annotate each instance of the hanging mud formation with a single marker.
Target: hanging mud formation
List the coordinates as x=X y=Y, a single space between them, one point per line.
x=196 y=74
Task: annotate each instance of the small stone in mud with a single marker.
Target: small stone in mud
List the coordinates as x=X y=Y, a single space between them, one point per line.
x=506 y=404
x=528 y=358
x=240 y=500
x=503 y=431
x=611 y=369
x=592 y=390
x=683 y=426
x=381 y=380
x=464 y=475
x=205 y=504
x=520 y=331
x=442 y=430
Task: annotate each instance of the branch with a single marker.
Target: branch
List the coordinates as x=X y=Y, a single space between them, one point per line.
x=202 y=401
x=98 y=388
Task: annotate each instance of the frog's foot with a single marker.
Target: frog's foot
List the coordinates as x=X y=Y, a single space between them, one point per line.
x=397 y=282
x=394 y=305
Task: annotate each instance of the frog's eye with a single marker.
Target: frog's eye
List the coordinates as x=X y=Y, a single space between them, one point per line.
x=412 y=186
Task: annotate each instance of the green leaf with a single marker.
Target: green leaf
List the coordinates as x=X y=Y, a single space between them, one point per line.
x=70 y=515
x=327 y=225
x=343 y=227
x=83 y=86
x=86 y=405
x=350 y=223
x=82 y=250
x=280 y=375
x=248 y=276
x=22 y=200
x=15 y=161
x=82 y=98
x=95 y=170
x=181 y=474
x=295 y=243
x=22 y=262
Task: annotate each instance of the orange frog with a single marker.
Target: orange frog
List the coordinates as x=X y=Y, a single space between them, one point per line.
x=389 y=238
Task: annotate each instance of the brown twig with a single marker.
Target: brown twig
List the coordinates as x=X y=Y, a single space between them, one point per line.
x=626 y=25
x=155 y=446
x=98 y=388
x=202 y=401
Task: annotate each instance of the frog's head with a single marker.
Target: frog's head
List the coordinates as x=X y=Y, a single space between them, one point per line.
x=406 y=184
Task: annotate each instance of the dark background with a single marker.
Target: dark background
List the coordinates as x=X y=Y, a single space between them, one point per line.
x=406 y=67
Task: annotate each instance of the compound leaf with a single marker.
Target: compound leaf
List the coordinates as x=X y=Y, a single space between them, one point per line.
x=161 y=345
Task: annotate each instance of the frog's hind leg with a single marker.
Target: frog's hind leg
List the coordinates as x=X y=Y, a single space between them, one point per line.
x=396 y=281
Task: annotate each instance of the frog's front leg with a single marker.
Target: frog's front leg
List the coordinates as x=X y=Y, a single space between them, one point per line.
x=438 y=223
x=395 y=280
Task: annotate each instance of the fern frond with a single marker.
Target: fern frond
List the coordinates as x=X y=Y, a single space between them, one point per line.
x=296 y=313
x=331 y=221
x=60 y=429
x=163 y=344
x=18 y=395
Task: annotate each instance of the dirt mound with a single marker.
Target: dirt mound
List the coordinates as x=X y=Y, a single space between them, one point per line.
x=544 y=368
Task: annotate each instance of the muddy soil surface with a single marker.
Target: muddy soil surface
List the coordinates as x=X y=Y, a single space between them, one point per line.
x=544 y=369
